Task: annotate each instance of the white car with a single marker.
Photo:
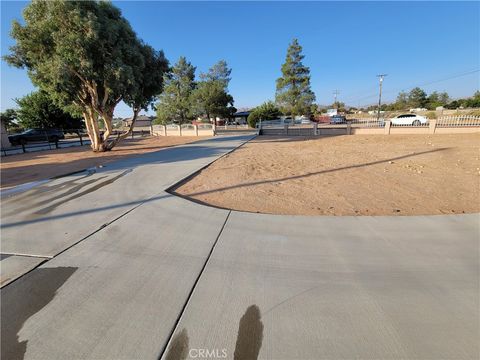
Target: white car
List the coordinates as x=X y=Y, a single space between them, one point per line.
x=409 y=119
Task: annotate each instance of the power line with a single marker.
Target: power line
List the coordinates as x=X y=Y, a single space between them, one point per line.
x=418 y=85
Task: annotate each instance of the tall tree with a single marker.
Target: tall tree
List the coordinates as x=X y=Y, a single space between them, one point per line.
x=148 y=84
x=402 y=101
x=175 y=103
x=83 y=53
x=443 y=98
x=9 y=117
x=211 y=95
x=294 y=95
x=218 y=72
x=38 y=110
x=417 y=98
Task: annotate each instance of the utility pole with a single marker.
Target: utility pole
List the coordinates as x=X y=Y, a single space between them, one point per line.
x=381 y=76
x=335 y=93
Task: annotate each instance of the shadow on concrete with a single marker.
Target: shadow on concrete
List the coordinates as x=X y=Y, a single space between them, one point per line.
x=178 y=349
x=178 y=154
x=260 y=182
x=250 y=335
x=166 y=154
x=24 y=298
x=82 y=212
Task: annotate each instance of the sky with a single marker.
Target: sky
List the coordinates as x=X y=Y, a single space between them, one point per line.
x=346 y=44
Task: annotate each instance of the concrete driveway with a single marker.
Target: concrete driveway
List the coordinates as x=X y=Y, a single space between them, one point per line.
x=132 y=272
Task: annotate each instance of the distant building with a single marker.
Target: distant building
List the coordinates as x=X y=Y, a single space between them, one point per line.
x=418 y=110
x=241 y=117
x=142 y=121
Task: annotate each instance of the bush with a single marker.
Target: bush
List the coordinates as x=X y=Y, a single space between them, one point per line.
x=431 y=115
x=266 y=111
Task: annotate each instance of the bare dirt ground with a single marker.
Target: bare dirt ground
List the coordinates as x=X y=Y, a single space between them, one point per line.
x=23 y=168
x=346 y=175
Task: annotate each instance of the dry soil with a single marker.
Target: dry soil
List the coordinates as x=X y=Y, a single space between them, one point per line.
x=346 y=175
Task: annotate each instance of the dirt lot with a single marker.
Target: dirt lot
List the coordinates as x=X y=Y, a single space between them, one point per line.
x=22 y=168
x=346 y=175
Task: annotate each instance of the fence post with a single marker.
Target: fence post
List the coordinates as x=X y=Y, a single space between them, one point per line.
x=80 y=136
x=285 y=128
x=196 y=129
x=48 y=141
x=23 y=148
x=349 y=128
x=387 y=127
x=56 y=143
x=432 y=125
x=315 y=129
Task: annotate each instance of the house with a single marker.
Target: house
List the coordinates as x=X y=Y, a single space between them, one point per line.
x=142 y=122
x=240 y=117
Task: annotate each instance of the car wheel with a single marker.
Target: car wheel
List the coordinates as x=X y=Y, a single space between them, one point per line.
x=416 y=123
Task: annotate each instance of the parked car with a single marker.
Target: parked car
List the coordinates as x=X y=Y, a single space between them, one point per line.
x=409 y=119
x=34 y=135
x=338 y=119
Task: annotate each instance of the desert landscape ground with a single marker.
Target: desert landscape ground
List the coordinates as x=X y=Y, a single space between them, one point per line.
x=345 y=175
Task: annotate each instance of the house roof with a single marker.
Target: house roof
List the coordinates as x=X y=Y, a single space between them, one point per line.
x=242 y=113
x=139 y=118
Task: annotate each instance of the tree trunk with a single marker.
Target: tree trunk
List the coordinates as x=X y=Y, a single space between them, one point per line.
x=109 y=145
x=91 y=122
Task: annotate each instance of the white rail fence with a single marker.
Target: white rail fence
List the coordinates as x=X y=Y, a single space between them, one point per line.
x=183 y=130
x=458 y=121
x=447 y=124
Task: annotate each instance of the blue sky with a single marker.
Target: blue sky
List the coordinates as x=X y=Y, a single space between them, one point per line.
x=345 y=45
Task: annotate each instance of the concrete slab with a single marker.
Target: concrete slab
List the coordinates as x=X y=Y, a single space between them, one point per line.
x=55 y=215
x=115 y=295
x=12 y=266
x=291 y=287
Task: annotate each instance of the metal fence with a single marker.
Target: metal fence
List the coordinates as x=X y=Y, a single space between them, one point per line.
x=458 y=121
x=73 y=137
x=372 y=125
x=371 y=122
x=232 y=127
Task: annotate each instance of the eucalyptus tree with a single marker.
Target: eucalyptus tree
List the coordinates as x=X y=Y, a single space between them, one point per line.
x=148 y=84
x=83 y=53
x=293 y=93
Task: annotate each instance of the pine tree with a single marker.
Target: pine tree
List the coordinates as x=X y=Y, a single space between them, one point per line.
x=175 y=103
x=211 y=95
x=293 y=95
